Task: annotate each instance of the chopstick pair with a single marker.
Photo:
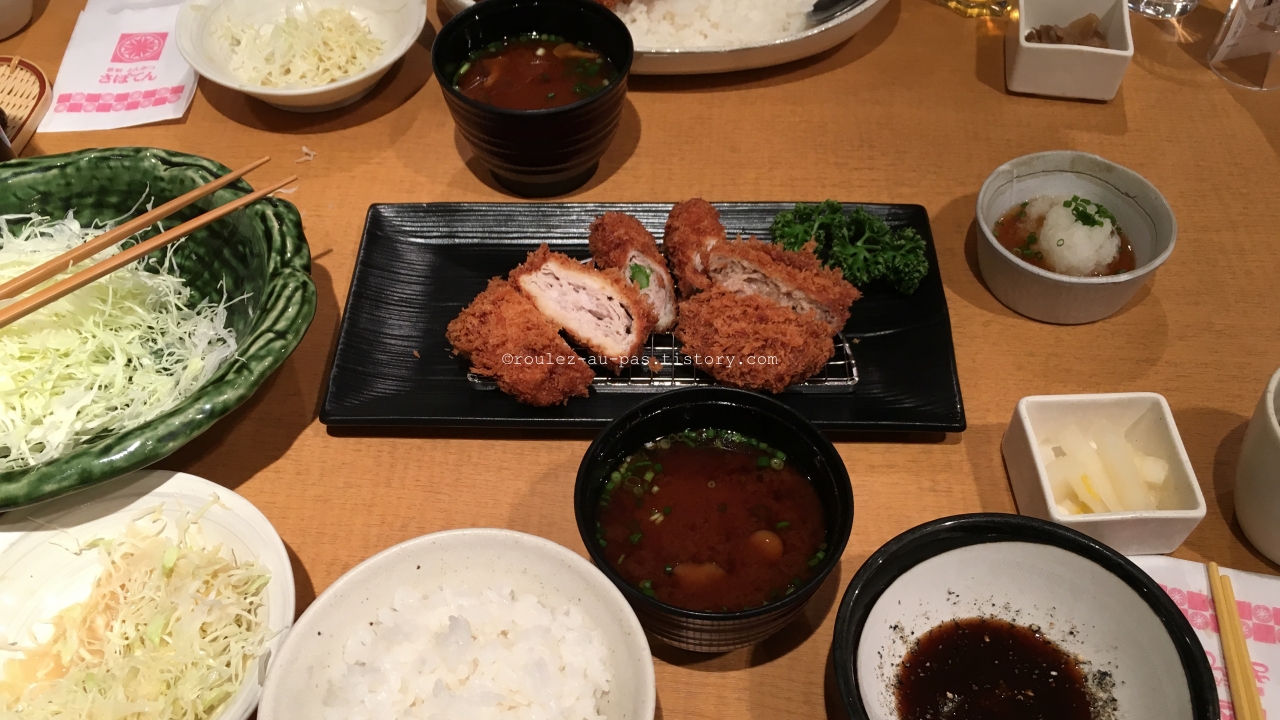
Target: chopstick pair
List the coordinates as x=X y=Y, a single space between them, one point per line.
x=27 y=305
x=1244 y=690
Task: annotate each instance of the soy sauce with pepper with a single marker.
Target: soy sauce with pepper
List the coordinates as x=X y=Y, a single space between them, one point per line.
x=989 y=669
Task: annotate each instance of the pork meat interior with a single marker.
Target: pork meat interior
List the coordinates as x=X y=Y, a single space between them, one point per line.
x=597 y=308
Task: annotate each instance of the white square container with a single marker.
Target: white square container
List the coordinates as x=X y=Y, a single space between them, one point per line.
x=1181 y=504
x=1070 y=71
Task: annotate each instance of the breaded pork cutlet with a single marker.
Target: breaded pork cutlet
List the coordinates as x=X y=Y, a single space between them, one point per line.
x=750 y=341
x=693 y=226
x=597 y=308
x=619 y=241
x=794 y=279
x=506 y=338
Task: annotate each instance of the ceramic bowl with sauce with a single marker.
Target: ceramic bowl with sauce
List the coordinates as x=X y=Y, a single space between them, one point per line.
x=1140 y=211
x=538 y=152
x=805 y=450
x=1126 y=646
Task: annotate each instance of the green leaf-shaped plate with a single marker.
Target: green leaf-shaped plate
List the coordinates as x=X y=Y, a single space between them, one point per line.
x=258 y=251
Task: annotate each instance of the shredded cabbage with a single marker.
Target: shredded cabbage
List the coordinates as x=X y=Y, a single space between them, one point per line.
x=106 y=358
x=167 y=633
x=307 y=49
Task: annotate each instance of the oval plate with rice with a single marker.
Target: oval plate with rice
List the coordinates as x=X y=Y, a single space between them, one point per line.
x=747 y=56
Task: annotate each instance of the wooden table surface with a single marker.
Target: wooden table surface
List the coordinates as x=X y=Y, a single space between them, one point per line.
x=912 y=110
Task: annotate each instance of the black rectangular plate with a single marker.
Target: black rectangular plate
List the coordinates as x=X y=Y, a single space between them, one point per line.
x=420 y=264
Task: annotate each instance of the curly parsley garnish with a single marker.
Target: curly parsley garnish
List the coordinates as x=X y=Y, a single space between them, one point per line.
x=859 y=244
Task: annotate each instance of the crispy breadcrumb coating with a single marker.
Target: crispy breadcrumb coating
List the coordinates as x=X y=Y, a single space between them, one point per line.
x=618 y=240
x=500 y=330
x=614 y=235
x=597 y=308
x=750 y=341
x=693 y=226
x=795 y=279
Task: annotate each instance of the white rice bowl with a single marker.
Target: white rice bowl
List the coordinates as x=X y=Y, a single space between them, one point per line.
x=712 y=23
x=389 y=639
x=458 y=653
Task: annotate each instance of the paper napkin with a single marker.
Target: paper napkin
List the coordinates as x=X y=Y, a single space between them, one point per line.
x=122 y=68
x=1258 y=597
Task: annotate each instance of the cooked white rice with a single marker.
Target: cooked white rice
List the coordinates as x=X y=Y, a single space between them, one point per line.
x=657 y=24
x=458 y=654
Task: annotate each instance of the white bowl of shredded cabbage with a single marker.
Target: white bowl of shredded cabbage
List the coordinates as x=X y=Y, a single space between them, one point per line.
x=169 y=592
x=299 y=55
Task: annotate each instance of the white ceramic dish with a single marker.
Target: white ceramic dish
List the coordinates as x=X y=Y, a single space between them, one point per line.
x=697 y=61
x=1181 y=504
x=1258 y=475
x=1070 y=71
x=1078 y=605
x=398 y=23
x=475 y=558
x=40 y=574
x=1142 y=212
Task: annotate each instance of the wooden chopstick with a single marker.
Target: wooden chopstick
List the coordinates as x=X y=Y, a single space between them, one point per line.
x=1244 y=690
x=65 y=261
x=35 y=301
x=1251 y=696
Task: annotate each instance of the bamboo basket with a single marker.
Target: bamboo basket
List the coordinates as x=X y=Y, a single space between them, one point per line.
x=25 y=95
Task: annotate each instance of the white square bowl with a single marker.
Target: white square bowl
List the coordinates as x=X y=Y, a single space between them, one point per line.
x=1181 y=504
x=1070 y=71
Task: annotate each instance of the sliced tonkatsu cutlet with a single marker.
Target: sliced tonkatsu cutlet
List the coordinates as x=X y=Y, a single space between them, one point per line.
x=693 y=226
x=506 y=338
x=597 y=308
x=793 y=279
x=619 y=241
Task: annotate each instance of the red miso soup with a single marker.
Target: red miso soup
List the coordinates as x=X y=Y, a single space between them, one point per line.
x=534 y=72
x=711 y=520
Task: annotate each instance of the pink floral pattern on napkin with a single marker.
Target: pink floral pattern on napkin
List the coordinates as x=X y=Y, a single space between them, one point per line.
x=1259 y=623
x=117 y=102
x=139 y=47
